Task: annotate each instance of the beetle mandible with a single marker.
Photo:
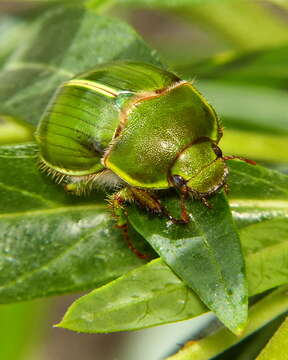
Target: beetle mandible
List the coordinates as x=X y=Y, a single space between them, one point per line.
x=137 y=129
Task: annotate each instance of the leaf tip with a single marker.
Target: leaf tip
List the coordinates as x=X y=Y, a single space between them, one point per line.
x=240 y=330
x=62 y=324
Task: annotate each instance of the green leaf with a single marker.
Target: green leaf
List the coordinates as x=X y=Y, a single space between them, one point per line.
x=277 y=346
x=265 y=67
x=154 y=300
x=147 y=296
x=260 y=314
x=259 y=201
x=205 y=254
x=27 y=196
x=256 y=194
x=248 y=107
x=51 y=242
x=245 y=24
x=246 y=181
x=255 y=117
x=250 y=347
x=255 y=145
x=268 y=264
x=12 y=31
x=63 y=42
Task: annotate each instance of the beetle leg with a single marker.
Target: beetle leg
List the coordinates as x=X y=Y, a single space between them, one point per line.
x=126 y=236
x=153 y=205
x=206 y=202
x=147 y=200
x=116 y=203
x=226 y=188
x=184 y=215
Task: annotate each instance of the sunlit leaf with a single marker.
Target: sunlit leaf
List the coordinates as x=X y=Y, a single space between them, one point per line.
x=205 y=254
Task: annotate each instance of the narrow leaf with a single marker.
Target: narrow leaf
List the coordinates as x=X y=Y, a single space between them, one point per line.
x=277 y=346
x=29 y=198
x=248 y=348
x=246 y=68
x=264 y=237
x=154 y=295
x=148 y=296
x=248 y=107
x=51 y=242
x=12 y=30
x=260 y=314
x=256 y=145
x=206 y=255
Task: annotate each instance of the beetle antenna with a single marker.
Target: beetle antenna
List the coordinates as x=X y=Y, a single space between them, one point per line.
x=233 y=157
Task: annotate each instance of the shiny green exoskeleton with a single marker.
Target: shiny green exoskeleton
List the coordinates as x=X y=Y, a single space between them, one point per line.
x=135 y=128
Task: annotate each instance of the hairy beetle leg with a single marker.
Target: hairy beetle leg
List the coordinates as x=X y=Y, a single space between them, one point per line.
x=116 y=203
x=150 y=202
x=226 y=188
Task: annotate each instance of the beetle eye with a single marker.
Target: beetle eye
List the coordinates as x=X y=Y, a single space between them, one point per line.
x=177 y=181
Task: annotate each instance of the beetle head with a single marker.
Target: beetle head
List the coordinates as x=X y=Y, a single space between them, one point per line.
x=200 y=169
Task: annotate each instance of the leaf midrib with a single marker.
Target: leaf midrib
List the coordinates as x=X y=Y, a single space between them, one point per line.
x=29 y=194
x=53 y=210
x=140 y=300
x=51 y=261
x=216 y=262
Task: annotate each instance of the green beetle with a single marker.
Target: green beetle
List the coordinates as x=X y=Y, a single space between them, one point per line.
x=137 y=129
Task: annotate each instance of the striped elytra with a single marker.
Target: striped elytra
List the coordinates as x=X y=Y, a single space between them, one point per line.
x=131 y=125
